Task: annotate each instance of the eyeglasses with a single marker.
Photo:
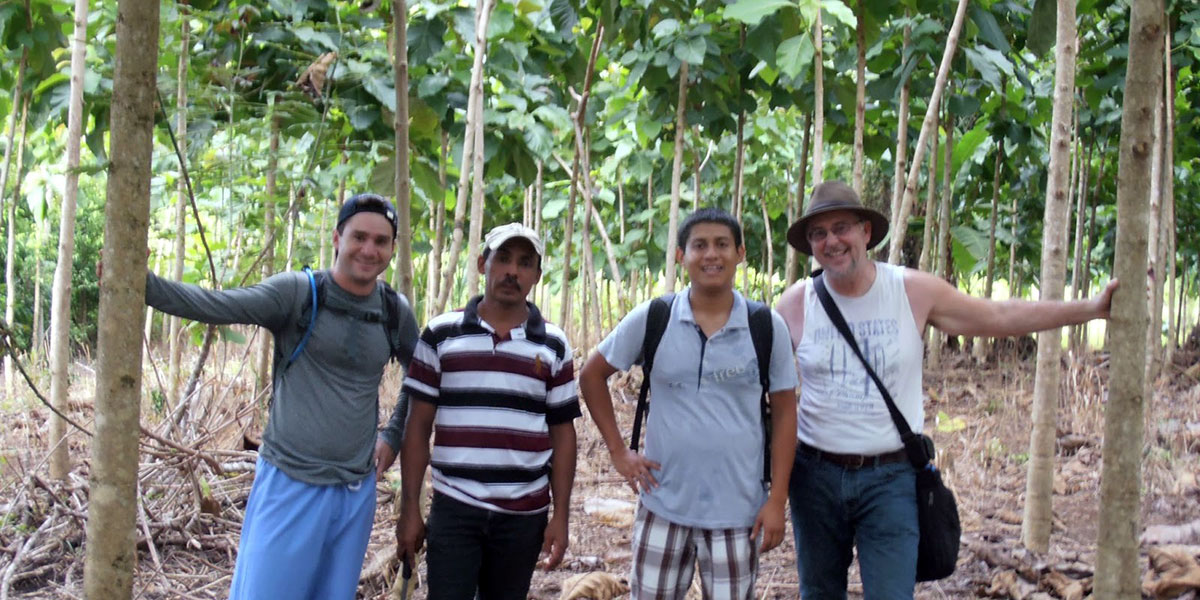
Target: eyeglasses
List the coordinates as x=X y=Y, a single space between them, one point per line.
x=838 y=229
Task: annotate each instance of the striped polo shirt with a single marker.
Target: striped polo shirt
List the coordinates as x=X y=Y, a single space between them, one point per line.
x=496 y=398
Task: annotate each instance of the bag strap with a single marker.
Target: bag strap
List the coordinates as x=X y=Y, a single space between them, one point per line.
x=835 y=315
x=312 y=318
x=762 y=334
x=657 y=315
x=391 y=318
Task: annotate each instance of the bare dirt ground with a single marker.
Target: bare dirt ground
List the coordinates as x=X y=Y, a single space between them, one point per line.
x=193 y=495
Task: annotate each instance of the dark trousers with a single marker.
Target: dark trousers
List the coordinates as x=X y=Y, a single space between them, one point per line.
x=473 y=549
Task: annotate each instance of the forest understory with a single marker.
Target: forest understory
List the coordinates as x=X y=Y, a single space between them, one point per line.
x=195 y=476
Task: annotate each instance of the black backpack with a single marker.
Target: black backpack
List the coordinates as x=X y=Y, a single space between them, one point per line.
x=308 y=317
x=762 y=333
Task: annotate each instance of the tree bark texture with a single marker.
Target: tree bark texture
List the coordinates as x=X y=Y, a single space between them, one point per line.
x=10 y=262
x=404 y=264
x=925 y=257
x=676 y=174
x=1117 y=570
x=1039 y=483
x=900 y=219
x=901 y=134
x=475 y=235
x=268 y=266
x=818 y=140
x=860 y=96
x=60 y=295
x=175 y=324
x=111 y=542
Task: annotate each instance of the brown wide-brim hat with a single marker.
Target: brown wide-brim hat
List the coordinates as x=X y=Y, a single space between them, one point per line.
x=833 y=196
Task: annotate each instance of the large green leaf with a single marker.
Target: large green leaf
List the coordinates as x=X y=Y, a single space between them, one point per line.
x=989 y=28
x=1042 y=26
x=990 y=65
x=691 y=50
x=795 y=54
x=965 y=146
x=752 y=12
x=839 y=11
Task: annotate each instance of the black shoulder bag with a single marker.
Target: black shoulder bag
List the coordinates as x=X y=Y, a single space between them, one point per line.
x=937 y=510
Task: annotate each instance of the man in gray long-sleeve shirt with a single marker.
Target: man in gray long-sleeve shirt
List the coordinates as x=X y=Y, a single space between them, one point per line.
x=312 y=504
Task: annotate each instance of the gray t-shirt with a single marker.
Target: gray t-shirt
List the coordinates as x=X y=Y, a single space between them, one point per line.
x=705 y=422
x=324 y=409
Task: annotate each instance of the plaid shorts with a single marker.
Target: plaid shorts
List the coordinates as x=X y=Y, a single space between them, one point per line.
x=664 y=557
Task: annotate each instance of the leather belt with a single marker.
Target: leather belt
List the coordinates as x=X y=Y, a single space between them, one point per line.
x=853 y=461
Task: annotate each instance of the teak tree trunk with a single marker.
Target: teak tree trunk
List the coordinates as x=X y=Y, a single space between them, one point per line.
x=60 y=300
x=860 y=95
x=111 y=540
x=900 y=219
x=1039 y=483
x=1117 y=567
x=818 y=138
x=676 y=174
x=404 y=264
x=175 y=324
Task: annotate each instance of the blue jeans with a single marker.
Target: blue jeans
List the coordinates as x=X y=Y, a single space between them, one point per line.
x=835 y=508
x=473 y=549
x=302 y=541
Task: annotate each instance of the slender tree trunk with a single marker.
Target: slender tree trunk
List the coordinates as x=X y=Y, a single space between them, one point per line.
x=1014 y=287
x=35 y=338
x=818 y=147
x=60 y=296
x=980 y=349
x=476 y=232
x=474 y=113
x=175 y=324
x=900 y=219
x=697 y=166
x=8 y=153
x=769 y=273
x=1117 y=568
x=1039 y=488
x=538 y=190
x=112 y=548
x=1154 y=332
x=1077 y=275
x=580 y=144
x=901 y=134
x=931 y=211
x=943 y=240
x=10 y=261
x=676 y=174
x=19 y=92
x=268 y=265
x=404 y=265
x=1091 y=244
x=293 y=210
x=739 y=166
x=860 y=97
x=434 y=280
x=795 y=265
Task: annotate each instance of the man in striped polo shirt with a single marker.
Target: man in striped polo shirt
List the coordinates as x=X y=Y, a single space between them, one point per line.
x=497 y=384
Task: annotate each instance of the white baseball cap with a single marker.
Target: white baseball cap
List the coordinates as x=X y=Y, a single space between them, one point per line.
x=498 y=235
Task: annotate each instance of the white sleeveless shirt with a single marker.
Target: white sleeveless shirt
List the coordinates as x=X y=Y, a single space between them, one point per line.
x=841 y=409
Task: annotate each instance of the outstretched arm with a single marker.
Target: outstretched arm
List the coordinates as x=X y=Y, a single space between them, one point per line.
x=942 y=305
x=593 y=385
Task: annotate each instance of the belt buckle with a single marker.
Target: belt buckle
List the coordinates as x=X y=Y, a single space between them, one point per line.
x=862 y=462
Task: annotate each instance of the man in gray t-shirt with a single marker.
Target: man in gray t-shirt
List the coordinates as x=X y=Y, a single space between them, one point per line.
x=312 y=503
x=702 y=497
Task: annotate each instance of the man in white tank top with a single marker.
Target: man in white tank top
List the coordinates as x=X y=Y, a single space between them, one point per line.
x=851 y=483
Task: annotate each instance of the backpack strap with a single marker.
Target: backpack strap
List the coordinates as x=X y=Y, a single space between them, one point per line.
x=657 y=316
x=762 y=334
x=312 y=318
x=391 y=318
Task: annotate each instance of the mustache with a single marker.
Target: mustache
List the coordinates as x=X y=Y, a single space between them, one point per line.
x=509 y=280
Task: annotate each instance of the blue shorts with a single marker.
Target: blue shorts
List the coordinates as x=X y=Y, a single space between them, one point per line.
x=302 y=541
